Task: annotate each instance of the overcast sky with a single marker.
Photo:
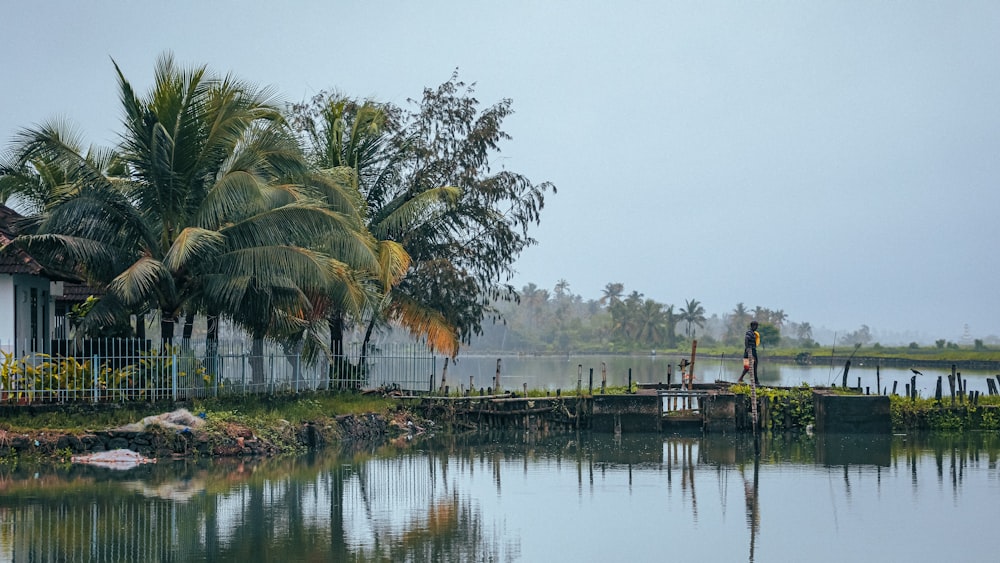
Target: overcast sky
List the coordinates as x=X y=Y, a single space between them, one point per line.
x=837 y=160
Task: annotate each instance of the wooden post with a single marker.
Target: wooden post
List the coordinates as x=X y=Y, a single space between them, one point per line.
x=847 y=368
x=444 y=374
x=579 y=378
x=913 y=388
x=629 y=380
x=894 y=383
x=878 y=379
x=525 y=385
x=951 y=384
x=496 y=384
x=670 y=374
x=604 y=377
x=694 y=348
x=590 y=383
x=937 y=391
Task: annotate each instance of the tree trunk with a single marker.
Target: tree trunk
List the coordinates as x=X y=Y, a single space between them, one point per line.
x=212 y=345
x=167 y=321
x=257 y=360
x=187 y=332
x=363 y=360
x=140 y=325
x=293 y=355
x=336 y=322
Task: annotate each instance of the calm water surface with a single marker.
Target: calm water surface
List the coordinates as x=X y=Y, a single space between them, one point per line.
x=566 y=497
x=551 y=372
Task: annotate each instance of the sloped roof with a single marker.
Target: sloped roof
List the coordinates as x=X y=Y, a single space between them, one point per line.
x=17 y=261
x=77 y=293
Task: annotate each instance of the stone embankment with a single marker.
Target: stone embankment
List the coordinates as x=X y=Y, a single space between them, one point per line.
x=180 y=435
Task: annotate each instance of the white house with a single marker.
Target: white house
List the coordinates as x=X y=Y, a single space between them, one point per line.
x=27 y=294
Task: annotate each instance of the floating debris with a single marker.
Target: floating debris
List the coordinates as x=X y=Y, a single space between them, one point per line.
x=114 y=459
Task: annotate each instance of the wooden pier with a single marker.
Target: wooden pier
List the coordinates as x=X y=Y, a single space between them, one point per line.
x=710 y=408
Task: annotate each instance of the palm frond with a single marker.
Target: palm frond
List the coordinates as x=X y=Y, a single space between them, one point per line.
x=407 y=212
x=393 y=263
x=193 y=245
x=424 y=322
x=144 y=278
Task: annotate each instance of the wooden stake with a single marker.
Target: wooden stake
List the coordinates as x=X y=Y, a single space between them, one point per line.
x=444 y=374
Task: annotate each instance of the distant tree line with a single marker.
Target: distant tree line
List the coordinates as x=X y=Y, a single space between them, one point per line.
x=559 y=321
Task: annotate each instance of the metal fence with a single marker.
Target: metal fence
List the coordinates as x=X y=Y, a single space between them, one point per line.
x=119 y=370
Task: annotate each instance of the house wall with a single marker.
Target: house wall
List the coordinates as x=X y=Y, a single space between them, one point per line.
x=6 y=310
x=27 y=313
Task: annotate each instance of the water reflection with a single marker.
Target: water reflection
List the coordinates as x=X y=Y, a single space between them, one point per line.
x=509 y=497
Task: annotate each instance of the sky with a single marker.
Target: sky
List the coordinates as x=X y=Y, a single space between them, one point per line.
x=836 y=160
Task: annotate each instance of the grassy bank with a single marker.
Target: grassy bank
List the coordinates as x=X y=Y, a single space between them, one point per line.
x=251 y=411
x=907 y=415
x=234 y=426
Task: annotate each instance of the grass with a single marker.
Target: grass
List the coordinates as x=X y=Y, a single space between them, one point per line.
x=252 y=411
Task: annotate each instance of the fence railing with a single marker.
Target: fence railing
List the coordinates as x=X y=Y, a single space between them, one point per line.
x=119 y=370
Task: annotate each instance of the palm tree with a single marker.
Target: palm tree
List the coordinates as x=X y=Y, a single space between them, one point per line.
x=670 y=319
x=738 y=320
x=39 y=179
x=561 y=288
x=693 y=314
x=48 y=167
x=651 y=323
x=348 y=139
x=804 y=332
x=612 y=292
x=212 y=213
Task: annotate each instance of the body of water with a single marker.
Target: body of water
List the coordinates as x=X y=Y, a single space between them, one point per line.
x=562 y=372
x=524 y=497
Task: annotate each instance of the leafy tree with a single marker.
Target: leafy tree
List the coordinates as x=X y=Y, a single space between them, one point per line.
x=862 y=336
x=462 y=257
x=479 y=239
x=770 y=335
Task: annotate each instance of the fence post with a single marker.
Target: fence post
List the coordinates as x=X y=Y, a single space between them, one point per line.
x=298 y=369
x=95 y=367
x=173 y=376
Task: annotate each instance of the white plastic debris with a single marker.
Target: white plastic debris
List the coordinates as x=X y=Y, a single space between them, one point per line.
x=114 y=459
x=176 y=420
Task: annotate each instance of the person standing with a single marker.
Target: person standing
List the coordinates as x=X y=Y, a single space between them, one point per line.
x=750 y=342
